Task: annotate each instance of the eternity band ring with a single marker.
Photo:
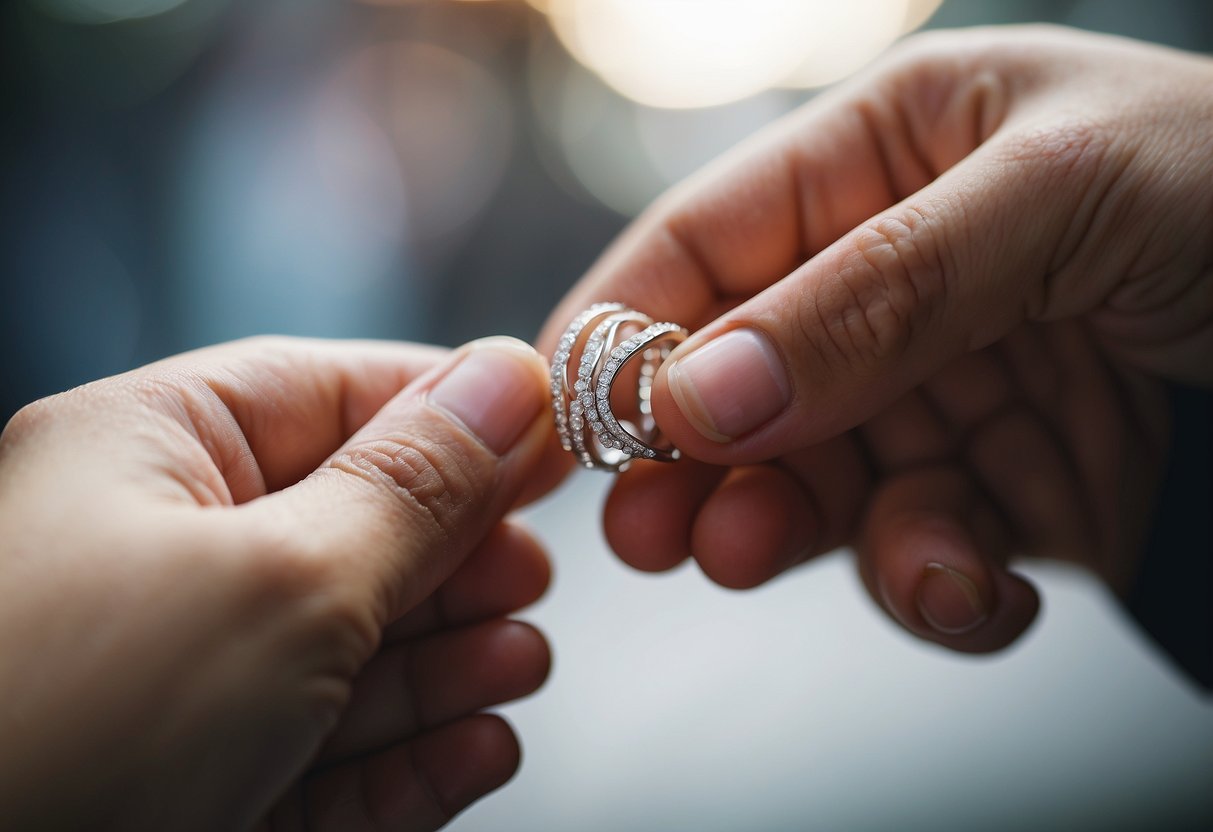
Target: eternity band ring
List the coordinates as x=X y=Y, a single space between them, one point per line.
x=606 y=345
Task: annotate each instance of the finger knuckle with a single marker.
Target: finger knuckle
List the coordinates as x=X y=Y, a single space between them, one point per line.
x=939 y=57
x=1059 y=151
x=27 y=421
x=1010 y=47
x=923 y=50
x=1074 y=162
x=429 y=482
x=268 y=344
x=891 y=284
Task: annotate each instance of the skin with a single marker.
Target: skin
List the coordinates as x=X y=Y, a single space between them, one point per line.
x=264 y=585
x=977 y=265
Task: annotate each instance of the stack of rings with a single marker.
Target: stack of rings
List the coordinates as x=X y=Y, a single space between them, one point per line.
x=589 y=358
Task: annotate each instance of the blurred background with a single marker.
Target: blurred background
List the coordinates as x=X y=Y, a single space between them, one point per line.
x=180 y=172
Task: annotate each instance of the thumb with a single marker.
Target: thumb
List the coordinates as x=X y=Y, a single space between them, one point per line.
x=400 y=505
x=951 y=269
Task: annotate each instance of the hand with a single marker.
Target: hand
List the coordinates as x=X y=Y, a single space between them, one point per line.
x=263 y=582
x=936 y=310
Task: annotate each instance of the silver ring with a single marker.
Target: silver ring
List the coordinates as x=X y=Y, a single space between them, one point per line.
x=584 y=404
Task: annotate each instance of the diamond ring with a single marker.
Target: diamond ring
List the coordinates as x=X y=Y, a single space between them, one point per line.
x=606 y=344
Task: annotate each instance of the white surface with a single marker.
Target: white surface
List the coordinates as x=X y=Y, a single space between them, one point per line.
x=674 y=704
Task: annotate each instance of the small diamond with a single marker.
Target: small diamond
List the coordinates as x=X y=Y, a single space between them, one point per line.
x=579 y=386
x=575 y=408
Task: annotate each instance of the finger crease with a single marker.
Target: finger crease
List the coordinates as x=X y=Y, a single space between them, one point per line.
x=423 y=783
x=414 y=718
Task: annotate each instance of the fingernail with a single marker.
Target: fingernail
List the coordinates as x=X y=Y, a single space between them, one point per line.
x=731 y=385
x=493 y=390
x=949 y=601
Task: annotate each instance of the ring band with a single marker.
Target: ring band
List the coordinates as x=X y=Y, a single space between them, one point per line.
x=584 y=411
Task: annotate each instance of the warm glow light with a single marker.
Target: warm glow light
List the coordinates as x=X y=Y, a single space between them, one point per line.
x=701 y=53
x=595 y=137
x=673 y=53
x=599 y=145
x=919 y=12
x=659 y=87
x=844 y=37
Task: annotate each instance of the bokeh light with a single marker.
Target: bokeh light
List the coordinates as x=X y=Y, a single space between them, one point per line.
x=587 y=137
x=602 y=146
x=449 y=121
x=292 y=208
x=659 y=87
x=105 y=55
x=678 y=54
x=845 y=37
x=96 y=12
